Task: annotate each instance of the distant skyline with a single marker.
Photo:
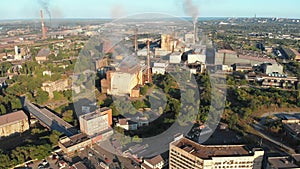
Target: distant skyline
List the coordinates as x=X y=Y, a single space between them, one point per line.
x=29 y=9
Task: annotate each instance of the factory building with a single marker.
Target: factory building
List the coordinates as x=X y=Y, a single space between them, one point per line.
x=189 y=38
x=185 y=153
x=159 y=68
x=196 y=58
x=167 y=43
x=125 y=80
x=175 y=58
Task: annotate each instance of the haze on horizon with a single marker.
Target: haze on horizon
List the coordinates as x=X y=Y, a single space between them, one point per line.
x=29 y=9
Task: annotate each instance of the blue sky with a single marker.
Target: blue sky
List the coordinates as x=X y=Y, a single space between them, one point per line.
x=23 y=9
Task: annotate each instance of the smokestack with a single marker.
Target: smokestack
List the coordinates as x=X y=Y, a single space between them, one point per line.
x=135 y=41
x=43 y=26
x=195 y=32
x=149 y=79
x=192 y=10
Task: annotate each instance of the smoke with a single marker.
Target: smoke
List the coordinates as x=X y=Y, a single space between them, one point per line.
x=191 y=10
x=45 y=5
x=117 y=11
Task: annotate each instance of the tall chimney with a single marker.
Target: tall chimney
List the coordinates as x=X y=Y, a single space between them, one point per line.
x=43 y=26
x=149 y=79
x=135 y=41
x=195 y=32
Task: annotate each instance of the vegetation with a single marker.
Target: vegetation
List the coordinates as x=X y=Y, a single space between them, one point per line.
x=37 y=148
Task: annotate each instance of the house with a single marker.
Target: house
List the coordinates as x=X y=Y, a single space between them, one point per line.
x=132 y=123
x=156 y=162
x=127 y=124
x=13 y=123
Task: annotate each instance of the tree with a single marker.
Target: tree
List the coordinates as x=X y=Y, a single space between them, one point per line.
x=16 y=104
x=233 y=121
x=143 y=90
x=68 y=116
x=42 y=97
x=54 y=137
x=2 y=109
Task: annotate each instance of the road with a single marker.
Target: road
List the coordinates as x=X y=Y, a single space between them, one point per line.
x=259 y=128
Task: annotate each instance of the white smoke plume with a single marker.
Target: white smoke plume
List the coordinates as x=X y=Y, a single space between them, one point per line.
x=191 y=9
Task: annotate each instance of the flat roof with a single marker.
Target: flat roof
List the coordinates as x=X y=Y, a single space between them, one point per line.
x=207 y=152
x=95 y=114
x=76 y=139
x=12 y=117
x=282 y=162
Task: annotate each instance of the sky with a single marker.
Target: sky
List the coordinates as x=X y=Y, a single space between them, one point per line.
x=29 y=9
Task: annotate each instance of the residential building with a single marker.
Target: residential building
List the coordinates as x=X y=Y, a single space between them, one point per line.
x=186 y=154
x=156 y=162
x=13 y=123
x=59 y=85
x=70 y=145
x=96 y=122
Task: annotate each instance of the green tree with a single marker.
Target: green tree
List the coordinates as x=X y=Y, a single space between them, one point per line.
x=16 y=104
x=68 y=116
x=42 y=97
x=2 y=109
x=54 y=137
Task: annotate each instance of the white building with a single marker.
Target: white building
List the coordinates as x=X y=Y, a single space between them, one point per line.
x=196 y=58
x=272 y=68
x=175 y=58
x=184 y=152
x=156 y=162
x=159 y=68
x=96 y=122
